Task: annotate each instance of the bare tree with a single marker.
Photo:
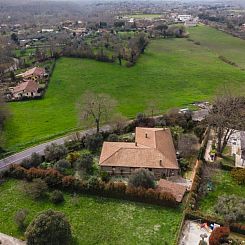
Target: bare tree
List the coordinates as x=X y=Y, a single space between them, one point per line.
x=119 y=122
x=152 y=108
x=96 y=108
x=226 y=116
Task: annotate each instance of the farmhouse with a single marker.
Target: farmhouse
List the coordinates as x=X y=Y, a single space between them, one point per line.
x=34 y=74
x=153 y=150
x=27 y=88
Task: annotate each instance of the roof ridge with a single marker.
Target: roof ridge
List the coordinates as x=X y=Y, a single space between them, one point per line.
x=111 y=154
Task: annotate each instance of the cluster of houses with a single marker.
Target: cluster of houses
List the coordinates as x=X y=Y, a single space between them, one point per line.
x=149 y=22
x=153 y=150
x=29 y=84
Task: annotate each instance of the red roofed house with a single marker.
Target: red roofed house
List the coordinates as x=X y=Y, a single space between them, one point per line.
x=153 y=150
x=27 y=88
x=33 y=74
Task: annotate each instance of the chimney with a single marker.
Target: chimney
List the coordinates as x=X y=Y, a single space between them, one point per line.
x=161 y=162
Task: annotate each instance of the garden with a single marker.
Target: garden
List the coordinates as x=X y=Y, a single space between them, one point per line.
x=93 y=219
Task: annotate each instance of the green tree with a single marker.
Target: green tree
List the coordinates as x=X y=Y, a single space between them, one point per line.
x=142 y=178
x=55 y=152
x=49 y=227
x=62 y=165
x=85 y=162
x=93 y=142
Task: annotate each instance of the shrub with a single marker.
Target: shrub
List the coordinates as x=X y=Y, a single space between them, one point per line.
x=113 y=138
x=93 y=183
x=36 y=189
x=219 y=235
x=231 y=208
x=94 y=142
x=85 y=162
x=184 y=164
x=34 y=161
x=56 y=197
x=73 y=156
x=55 y=152
x=142 y=178
x=49 y=227
x=20 y=218
x=62 y=165
x=238 y=175
x=104 y=176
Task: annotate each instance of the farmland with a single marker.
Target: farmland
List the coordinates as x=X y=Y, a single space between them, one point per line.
x=175 y=72
x=95 y=219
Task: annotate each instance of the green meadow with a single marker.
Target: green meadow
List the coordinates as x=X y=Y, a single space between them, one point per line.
x=95 y=220
x=174 y=72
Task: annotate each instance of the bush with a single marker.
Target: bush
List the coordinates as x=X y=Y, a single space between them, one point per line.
x=219 y=235
x=62 y=165
x=113 y=138
x=231 y=208
x=34 y=161
x=85 y=162
x=49 y=227
x=238 y=174
x=94 y=142
x=54 y=152
x=20 y=218
x=73 y=156
x=56 y=197
x=142 y=178
x=36 y=189
x=104 y=176
x=184 y=164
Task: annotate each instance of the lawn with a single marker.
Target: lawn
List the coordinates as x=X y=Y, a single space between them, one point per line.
x=223 y=185
x=175 y=72
x=96 y=220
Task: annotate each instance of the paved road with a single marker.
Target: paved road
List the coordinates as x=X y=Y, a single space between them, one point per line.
x=18 y=157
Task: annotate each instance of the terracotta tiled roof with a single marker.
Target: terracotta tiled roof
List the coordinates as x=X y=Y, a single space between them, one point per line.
x=36 y=71
x=26 y=86
x=153 y=148
x=178 y=191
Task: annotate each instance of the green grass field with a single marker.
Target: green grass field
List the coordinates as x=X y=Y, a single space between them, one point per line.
x=175 y=72
x=221 y=43
x=223 y=185
x=96 y=220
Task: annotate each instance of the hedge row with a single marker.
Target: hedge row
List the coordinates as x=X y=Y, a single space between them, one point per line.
x=96 y=187
x=192 y=199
